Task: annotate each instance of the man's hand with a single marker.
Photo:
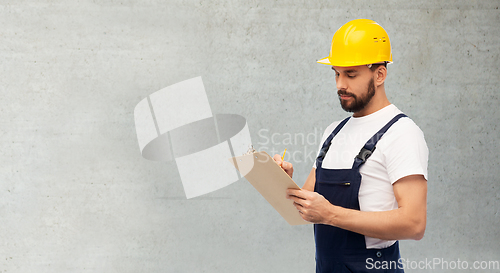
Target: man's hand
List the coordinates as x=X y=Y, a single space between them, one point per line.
x=312 y=206
x=286 y=166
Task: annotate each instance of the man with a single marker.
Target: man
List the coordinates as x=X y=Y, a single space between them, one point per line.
x=368 y=186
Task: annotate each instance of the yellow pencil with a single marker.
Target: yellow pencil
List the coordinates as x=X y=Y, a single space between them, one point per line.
x=283 y=157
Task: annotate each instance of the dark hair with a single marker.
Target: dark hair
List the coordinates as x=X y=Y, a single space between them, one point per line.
x=375 y=66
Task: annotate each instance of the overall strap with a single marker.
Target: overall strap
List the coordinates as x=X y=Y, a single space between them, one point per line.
x=369 y=147
x=326 y=144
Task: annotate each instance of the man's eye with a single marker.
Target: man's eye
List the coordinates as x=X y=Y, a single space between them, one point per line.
x=351 y=76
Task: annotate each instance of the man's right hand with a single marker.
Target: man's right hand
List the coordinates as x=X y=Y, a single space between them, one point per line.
x=286 y=166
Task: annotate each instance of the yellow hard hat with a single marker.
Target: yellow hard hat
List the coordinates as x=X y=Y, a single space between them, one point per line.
x=359 y=42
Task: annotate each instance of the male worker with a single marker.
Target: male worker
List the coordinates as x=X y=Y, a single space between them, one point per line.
x=368 y=186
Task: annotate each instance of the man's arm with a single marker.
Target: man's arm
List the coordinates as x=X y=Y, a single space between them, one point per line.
x=408 y=221
x=310 y=181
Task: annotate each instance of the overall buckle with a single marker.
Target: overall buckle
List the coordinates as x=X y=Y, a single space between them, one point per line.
x=364 y=154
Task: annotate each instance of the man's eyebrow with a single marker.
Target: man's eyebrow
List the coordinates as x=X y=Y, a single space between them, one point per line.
x=350 y=71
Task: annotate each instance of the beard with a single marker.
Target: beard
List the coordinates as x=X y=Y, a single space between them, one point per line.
x=360 y=102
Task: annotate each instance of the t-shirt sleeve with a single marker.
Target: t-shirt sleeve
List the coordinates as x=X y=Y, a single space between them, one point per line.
x=405 y=151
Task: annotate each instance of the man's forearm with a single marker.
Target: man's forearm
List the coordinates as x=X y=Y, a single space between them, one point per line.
x=387 y=225
x=406 y=222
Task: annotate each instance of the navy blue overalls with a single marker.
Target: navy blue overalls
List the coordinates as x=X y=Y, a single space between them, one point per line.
x=340 y=250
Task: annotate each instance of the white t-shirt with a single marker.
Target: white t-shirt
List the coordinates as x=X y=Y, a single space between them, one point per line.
x=402 y=151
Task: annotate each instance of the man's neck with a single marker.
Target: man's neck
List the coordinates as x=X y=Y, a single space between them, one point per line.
x=379 y=101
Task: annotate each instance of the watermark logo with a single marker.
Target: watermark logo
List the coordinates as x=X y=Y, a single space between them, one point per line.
x=432 y=264
x=176 y=123
x=308 y=143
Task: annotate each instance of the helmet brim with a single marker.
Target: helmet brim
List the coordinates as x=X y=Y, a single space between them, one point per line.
x=325 y=61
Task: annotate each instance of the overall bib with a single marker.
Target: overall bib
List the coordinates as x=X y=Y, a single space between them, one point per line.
x=340 y=250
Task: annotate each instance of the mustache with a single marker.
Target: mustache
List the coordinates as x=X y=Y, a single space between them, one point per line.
x=345 y=93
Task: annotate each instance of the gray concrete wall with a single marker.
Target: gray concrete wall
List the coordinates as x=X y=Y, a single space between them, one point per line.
x=76 y=195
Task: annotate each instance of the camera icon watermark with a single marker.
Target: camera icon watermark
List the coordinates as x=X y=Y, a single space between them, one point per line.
x=176 y=123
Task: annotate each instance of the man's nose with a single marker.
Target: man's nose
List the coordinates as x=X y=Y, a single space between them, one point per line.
x=341 y=83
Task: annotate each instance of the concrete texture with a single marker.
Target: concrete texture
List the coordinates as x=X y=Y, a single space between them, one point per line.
x=76 y=195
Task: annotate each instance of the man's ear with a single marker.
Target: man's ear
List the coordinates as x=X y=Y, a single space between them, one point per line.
x=380 y=75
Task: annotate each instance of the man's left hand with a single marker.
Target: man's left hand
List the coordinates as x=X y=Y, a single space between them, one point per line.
x=312 y=206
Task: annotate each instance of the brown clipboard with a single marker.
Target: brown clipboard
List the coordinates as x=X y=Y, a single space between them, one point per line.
x=271 y=181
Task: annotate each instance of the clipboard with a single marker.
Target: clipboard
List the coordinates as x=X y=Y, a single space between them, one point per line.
x=271 y=181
